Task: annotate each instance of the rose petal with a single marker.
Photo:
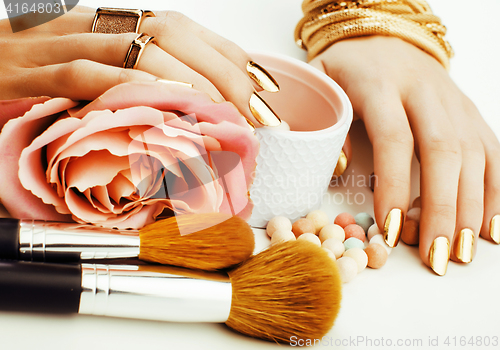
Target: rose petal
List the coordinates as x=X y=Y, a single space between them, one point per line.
x=15 y=136
x=166 y=98
x=97 y=168
x=11 y=109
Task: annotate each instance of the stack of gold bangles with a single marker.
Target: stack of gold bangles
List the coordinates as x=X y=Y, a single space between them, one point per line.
x=326 y=22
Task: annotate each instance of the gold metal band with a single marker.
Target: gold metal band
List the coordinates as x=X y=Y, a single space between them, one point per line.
x=109 y=20
x=325 y=22
x=136 y=49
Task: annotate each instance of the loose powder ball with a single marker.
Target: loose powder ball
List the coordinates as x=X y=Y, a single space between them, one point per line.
x=319 y=219
x=353 y=243
x=348 y=268
x=364 y=220
x=410 y=234
x=281 y=236
x=416 y=203
x=413 y=214
x=377 y=255
x=311 y=237
x=355 y=231
x=372 y=231
x=332 y=231
x=278 y=223
x=330 y=254
x=380 y=240
x=337 y=247
x=344 y=219
x=303 y=226
x=359 y=256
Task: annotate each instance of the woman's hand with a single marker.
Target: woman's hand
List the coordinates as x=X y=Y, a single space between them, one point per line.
x=408 y=103
x=61 y=58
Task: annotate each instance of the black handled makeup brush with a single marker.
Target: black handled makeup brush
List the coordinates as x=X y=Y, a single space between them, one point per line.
x=291 y=289
x=200 y=241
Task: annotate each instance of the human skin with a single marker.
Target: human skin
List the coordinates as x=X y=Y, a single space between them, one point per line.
x=61 y=58
x=409 y=103
x=406 y=99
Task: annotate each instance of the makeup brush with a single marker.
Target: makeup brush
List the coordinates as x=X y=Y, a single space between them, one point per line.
x=289 y=290
x=200 y=241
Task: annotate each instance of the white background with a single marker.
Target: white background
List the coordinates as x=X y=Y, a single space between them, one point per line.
x=403 y=300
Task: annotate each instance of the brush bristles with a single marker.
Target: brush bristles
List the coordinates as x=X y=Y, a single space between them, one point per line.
x=228 y=242
x=290 y=290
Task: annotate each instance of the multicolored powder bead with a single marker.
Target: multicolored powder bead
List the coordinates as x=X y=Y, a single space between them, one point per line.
x=372 y=231
x=344 y=219
x=277 y=223
x=353 y=243
x=413 y=214
x=311 y=237
x=348 y=268
x=337 y=247
x=364 y=220
x=410 y=234
x=417 y=203
x=281 y=236
x=330 y=254
x=319 y=219
x=359 y=256
x=377 y=255
x=380 y=240
x=332 y=231
x=355 y=231
x=303 y=226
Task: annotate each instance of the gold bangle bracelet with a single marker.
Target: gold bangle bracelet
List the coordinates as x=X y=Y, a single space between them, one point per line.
x=327 y=22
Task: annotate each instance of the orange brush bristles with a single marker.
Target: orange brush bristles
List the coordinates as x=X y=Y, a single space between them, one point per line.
x=292 y=289
x=228 y=242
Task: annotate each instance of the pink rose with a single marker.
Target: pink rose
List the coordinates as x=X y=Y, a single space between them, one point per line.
x=139 y=150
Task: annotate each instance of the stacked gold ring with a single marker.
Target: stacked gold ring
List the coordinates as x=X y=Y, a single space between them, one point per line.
x=109 y=20
x=136 y=49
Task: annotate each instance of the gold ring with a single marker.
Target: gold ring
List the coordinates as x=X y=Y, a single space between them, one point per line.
x=109 y=20
x=135 y=51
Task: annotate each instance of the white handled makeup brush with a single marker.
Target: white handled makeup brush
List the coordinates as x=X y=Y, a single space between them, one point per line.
x=200 y=241
x=291 y=289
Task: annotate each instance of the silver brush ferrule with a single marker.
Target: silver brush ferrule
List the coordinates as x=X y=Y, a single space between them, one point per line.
x=48 y=241
x=155 y=292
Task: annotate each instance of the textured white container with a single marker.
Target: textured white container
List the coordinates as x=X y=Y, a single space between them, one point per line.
x=294 y=168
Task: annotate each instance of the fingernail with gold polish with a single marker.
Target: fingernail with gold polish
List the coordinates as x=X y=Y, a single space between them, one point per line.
x=464 y=245
x=341 y=165
x=173 y=82
x=439 y=255
x=262 y=112
x=251 y=126
x=393 y=227
x=495 y=229
x=262 y=77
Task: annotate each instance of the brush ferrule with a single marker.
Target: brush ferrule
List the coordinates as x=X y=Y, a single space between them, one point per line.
x=155 y=293
x=51 y=241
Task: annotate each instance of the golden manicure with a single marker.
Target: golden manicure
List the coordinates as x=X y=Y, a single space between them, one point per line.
x=250 y=125
x=341 y=165
x=393 y=227
x=262 y=112
x=262 y=77
x=439 y=255
x=495 y=229
x=173 y=82
x=464 y=245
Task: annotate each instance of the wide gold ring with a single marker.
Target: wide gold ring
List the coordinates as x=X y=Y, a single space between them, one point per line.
x=136 y=49
x=109 y=20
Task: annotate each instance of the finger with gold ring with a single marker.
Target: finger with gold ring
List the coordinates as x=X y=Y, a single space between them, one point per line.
x=135 y=51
